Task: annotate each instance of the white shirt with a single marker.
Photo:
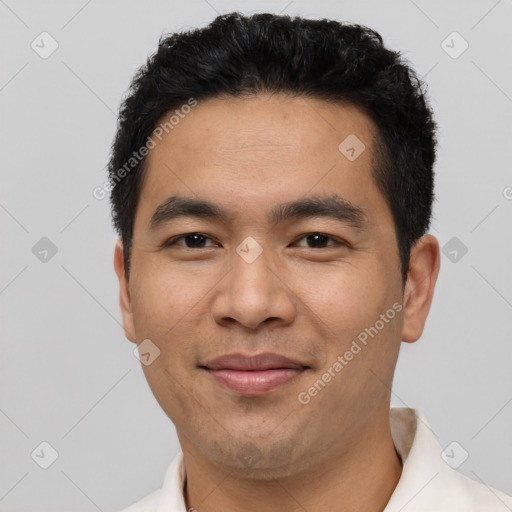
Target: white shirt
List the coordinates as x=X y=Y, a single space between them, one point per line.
x=427 y=483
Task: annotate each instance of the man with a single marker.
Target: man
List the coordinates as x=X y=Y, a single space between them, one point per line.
x=272 y=185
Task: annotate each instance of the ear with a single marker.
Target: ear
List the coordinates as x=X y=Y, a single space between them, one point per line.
x=419 y=287
x=124 y=292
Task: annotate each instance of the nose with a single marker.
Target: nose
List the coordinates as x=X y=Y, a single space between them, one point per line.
x=253 y=294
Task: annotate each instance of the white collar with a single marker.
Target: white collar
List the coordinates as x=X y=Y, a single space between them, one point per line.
x=427 y=483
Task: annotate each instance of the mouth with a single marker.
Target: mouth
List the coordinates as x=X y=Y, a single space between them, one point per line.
x=256 y=374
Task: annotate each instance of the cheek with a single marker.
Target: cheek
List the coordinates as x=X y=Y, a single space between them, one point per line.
x=165 y=298
x=344 y=305
x=345 y=296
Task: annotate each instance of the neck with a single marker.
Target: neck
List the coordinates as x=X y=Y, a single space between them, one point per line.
x=361 y=477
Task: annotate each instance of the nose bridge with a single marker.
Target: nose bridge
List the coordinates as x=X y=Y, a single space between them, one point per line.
x=252 y=292
x=251 y=281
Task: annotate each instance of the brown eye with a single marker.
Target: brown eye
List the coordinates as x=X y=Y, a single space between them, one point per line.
x=320 y=241
x=191 y=240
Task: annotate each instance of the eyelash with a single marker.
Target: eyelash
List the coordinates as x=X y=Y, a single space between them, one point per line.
x=337 y=242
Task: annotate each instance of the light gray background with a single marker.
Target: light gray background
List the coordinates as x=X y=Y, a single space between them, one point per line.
x=67 y=374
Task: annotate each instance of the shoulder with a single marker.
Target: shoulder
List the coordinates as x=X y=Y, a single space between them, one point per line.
x=477 y=496
x=428 y=482
x=146 y=504
x=169 y=496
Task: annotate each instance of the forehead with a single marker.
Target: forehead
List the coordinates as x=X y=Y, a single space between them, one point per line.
x=258 y=150
x=265 y=122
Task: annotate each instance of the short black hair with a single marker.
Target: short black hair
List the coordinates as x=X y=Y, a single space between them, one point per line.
x=265 y=53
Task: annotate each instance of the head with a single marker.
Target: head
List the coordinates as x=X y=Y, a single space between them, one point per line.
x=296 y=156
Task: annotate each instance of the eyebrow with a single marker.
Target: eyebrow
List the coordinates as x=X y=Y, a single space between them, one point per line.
x=332 y=206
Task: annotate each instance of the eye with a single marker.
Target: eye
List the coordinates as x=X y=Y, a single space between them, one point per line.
x=319 y=240
x=192 y=241
x=198 y=241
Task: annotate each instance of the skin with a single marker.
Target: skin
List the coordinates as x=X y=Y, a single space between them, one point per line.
x=308 y=303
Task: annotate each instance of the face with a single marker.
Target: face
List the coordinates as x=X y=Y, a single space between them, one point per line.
x=300 y=260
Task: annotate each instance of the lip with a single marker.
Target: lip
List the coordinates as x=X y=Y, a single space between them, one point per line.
x=254 y=374
x=263 y=361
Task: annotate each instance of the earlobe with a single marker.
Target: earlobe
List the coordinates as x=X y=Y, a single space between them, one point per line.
x=124 y=292
x=419 y=288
